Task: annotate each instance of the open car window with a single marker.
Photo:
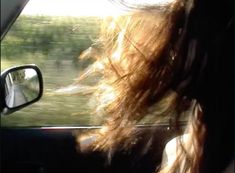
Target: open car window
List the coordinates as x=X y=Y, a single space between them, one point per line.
x=52 y=34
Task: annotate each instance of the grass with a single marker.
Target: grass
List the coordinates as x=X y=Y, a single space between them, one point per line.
x=54 y=44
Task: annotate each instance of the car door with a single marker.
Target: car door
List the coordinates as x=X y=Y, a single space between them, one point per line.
x=43 y=137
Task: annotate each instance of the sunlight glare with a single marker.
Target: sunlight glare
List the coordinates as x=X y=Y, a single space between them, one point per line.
x=100 y=8
x=148 y=2
x=29 y=73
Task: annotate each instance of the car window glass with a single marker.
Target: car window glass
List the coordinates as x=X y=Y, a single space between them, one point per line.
x=52 y=34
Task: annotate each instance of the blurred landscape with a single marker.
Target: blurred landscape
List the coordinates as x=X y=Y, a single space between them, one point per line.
x=54 y=45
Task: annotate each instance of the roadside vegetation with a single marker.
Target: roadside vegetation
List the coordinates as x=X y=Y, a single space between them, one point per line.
x=54 y=44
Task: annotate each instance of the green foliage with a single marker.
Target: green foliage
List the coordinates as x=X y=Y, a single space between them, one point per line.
x=55 y=37
x=54 y=44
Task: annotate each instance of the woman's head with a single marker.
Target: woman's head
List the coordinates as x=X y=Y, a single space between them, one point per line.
x=141 y=56
x=157 y=61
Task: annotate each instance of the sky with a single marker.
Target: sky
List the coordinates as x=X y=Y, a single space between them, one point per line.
x=80 y=7
x=71 y=8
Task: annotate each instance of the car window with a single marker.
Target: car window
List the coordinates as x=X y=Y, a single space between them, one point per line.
x=52 y=34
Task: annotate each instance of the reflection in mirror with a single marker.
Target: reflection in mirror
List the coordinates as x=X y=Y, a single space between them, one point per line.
x=21 y=87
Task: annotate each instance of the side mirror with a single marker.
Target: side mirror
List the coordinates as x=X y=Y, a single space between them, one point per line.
x=22 y=86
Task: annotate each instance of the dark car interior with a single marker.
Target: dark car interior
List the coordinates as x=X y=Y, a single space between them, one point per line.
x=52 y=149
x=55 y=149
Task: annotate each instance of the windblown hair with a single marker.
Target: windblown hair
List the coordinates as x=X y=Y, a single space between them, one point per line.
x=148 y=59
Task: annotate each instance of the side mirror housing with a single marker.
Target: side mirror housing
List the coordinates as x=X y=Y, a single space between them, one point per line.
x=21 y=86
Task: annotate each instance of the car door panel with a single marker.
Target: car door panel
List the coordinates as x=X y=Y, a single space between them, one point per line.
x=55 y=150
